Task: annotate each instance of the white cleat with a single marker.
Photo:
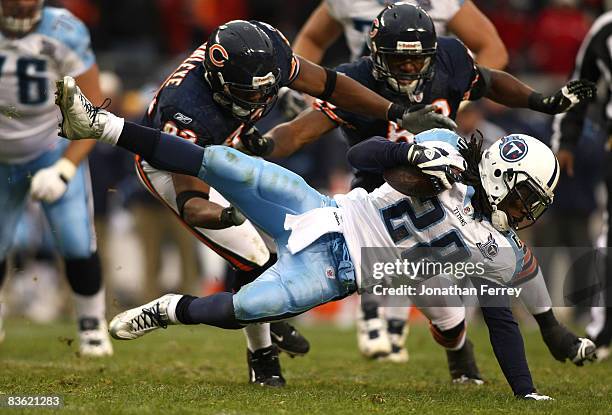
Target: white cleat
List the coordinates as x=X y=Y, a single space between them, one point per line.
x=137 y=322
x=583 y=351
x=373 y=339
x=534 y=396
x=93 y=338
x=80 y=118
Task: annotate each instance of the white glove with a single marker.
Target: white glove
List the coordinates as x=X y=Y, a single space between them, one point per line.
x=432 y=162
x=49 y=184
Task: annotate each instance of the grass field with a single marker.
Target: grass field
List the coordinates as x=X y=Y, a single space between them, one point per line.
x=203 y=370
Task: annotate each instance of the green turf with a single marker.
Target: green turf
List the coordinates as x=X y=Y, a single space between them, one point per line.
x=203 y=370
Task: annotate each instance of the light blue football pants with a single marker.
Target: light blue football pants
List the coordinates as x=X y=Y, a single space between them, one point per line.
x=265 y=193
x=70 y=217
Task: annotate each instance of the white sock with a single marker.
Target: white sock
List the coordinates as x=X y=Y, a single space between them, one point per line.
x=112 y=129
x=258 y=336
x=172 y=308
x=534 y=295
x=91 y=305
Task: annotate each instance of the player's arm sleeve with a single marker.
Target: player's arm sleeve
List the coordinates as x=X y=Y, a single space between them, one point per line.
x=527 y=266
x=567 y=127
x=377 y=154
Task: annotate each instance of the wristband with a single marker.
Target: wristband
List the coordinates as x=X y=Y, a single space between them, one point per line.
x=395 y=112
x=66 y=169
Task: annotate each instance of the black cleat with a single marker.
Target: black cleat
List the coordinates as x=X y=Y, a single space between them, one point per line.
x=462 y=365
x=287 y=339
x=264 y=367
x=563 y=344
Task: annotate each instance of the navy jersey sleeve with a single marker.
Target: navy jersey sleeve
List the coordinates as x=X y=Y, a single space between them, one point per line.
x=287 y=61
x=458 y=62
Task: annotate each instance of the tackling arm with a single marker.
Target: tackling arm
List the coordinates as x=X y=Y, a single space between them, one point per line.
x=479 y=35
x=317 y=34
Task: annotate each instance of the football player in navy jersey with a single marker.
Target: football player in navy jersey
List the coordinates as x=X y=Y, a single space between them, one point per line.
x=214 y=97
x=411 y=66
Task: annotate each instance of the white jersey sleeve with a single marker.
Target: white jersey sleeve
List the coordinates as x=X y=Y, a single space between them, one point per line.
x=356 y=17
x=396 y=224
x=29 y=67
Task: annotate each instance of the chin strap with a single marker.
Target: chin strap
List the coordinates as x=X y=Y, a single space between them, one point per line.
x=499 y=220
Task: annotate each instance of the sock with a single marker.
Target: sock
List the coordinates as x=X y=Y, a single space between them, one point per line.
x=370 y=310
x=509 y=348
x=112 y=129
x=84 y=274
x=396 y=326
x=546 y=320
x=90 y=306
x=257 y=336
x=214 y=310
x=452 y=339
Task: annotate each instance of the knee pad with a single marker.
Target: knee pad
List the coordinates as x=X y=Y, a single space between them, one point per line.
x=84 y=274
x=452 y=338
x=261 y=301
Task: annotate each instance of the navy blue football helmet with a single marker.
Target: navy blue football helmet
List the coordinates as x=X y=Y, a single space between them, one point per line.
x=242 y=70
x=403 y=46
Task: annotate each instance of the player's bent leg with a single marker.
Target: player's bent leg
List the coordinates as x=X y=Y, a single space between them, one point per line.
x=263 y=191
x=71 y=219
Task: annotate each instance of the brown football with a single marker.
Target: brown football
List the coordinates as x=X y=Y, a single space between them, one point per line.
x=410 y=181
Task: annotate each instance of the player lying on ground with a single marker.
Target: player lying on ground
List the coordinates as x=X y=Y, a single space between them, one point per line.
x=319 y=238
x=214 y=97
x=440 y=71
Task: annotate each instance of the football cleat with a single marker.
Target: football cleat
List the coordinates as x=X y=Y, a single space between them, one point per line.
x=563 y=344
x=462 y=365
x=93 y=338
x=398 y=332
x=137 y=322
x=264 y=367
x=534 y=396
x=80 y=118
x=372 y=338
x=582 y=351
x=287 y=339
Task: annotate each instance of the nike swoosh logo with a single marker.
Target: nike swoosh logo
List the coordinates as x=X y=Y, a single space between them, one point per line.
x=276 y=337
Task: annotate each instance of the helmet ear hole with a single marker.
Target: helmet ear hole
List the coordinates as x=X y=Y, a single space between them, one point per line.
x=497 y=173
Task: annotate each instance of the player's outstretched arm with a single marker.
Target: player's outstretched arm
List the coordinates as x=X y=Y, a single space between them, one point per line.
x=507 y=90
x=317 y=34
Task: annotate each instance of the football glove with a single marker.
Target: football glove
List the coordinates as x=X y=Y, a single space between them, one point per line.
x=417 y=119
x=291 y=102
x=49 y=184
x=563 y=100
x=432 y=162
x=255 y=144
x=230 y=216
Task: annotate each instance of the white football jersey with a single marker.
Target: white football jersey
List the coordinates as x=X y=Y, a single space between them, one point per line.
x=29 y=67
x=356 y=17
x=387 y=218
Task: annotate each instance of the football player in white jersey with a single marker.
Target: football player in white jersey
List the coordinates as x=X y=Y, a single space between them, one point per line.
x=320 y=239
x=37 y=45
x=383 y=331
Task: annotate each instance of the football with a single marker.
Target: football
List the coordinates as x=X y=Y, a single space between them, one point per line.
x=410 y=180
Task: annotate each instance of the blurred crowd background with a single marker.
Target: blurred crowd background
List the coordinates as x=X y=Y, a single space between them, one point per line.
x=145 y=251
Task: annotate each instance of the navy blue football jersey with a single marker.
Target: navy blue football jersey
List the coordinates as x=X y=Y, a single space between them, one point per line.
x=184 y=104
x=455 y=75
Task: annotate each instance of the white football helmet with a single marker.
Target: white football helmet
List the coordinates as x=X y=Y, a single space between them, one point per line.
x=520 y=171
x=20 y=16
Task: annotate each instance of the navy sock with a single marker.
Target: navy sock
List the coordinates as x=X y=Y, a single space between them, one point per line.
x=546 y=320
x=509 y=348
x=84 y=274
x=214 y=310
